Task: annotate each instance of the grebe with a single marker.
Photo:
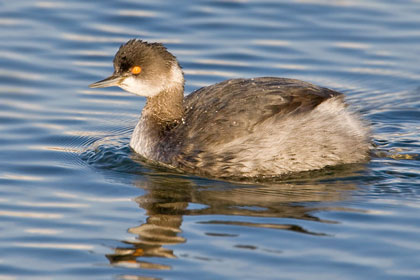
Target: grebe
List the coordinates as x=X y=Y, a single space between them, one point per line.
x=237 y=128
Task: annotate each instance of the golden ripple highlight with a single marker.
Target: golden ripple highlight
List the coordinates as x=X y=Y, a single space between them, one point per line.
x=22 y=75
x=272 y=43
x=20 y=177
x=32 y=215
x=384 y=72
x=90 y=53
x=50 y=126
x=352 y=45
x=90 y=63
x=119 y=30
x=42 y=231
x=93 y=199
x=13 y=55
x=52 y=204
x=222 y=62
x=140 y=264
x=292 y=66
x=7 y=277
x=25 y=105
x=65 y=246
x=102 y=92
x=51 y=5
x=139 y=13
x=10 y=22
x=378 y=62
x=105 y=101
x=91 y=38
x=211 y=73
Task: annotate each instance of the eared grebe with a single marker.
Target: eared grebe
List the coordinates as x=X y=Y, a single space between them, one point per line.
x=236 y=128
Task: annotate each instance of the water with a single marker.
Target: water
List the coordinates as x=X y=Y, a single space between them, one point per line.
x=75 y=203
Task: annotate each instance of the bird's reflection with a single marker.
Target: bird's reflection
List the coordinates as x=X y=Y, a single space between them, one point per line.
x=169 y=198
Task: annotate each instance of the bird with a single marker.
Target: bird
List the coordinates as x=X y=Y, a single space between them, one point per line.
x=238 y=128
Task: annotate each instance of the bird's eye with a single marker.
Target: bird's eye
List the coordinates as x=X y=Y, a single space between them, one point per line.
x=135 y=70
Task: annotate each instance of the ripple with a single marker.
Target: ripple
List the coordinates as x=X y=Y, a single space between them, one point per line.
x=139 y=13
x=42 y=231
x=30 y=215
x=74 y=37
x=111 y=153
x=55 y=246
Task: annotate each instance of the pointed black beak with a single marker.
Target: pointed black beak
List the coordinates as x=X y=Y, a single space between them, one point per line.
x=113 y=80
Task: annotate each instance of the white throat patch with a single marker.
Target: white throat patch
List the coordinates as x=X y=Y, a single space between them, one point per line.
x=149 y=88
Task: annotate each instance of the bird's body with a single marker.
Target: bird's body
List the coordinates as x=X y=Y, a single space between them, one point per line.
x=242 y=127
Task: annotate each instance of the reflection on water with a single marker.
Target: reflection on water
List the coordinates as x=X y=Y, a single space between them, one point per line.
x=169 y=198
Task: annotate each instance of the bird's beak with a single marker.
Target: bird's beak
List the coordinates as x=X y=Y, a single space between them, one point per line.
x=113 y=80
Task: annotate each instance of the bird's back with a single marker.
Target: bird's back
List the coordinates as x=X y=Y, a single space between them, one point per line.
x=264 y=127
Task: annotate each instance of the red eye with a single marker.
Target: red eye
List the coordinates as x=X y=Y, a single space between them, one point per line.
x=135 y=70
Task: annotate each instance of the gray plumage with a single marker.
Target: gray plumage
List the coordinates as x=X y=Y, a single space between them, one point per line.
x=237 y=128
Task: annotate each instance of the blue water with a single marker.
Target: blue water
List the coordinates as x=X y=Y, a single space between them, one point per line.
x=75 y=202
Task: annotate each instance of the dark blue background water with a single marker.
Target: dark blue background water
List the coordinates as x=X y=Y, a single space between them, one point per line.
x=75 y=204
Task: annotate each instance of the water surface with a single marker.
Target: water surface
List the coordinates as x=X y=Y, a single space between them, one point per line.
x=75 y=202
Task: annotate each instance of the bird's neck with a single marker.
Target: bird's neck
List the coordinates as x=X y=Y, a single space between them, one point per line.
x=162 y=112
x=166 y=107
